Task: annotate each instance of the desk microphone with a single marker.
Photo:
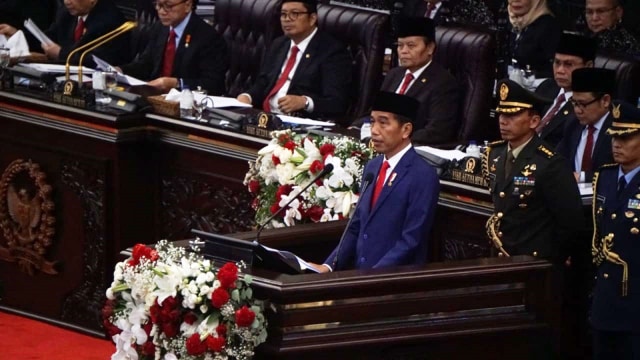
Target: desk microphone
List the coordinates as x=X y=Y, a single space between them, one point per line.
x=327 y=169
x=365 y=184
x=93 y=44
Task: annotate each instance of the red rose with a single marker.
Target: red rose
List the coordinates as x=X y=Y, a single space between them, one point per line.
x=283 y=190
x=195 y=347
x=215 y=344
x=221 y=330
x=148 y=348
x=316 y=167
x=147 y=327
x=219 y=297
x=244 y=316
x=228 y=274
x=190 y=318
x=275 y=159
x=315 y=213
x=110 y=328
x=274 y=208
x=327 y=149
x=290 y=145
x=283 y=139
x=170 y=329
x=254 y=186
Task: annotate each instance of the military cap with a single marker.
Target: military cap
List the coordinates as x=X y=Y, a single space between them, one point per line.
x=593 y=80
x=626 y=119
x=577 y=45
x=417 y=26
x=397 y=104
x=514 y=98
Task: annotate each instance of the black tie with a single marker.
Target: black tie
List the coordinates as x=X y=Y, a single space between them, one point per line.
x=622 y=183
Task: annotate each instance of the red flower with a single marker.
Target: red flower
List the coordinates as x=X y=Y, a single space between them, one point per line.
x=283 y=139
x=254 y=186
x=190 y=318
x=274 y=208
x=316 y=167
x=170 y=329
x=219 y=297
x=148 y=348
x=221 y=330
x=255 y=203
x=327 y=149
x=315 y=213
x=142 y=251
x=195 y=347
x=147 y=327
x=244 y=316
x=275 y=159
x=290 y=145
x=283 y=190
x=228 y=274
x=215 y=344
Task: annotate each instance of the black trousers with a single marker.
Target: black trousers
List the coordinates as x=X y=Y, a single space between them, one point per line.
x=619 y=345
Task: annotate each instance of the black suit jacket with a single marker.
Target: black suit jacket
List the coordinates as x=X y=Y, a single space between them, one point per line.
x=437 y=91
x=536 y=45
x=323 y=74
x=202 y=62
x=602 y=153
x=553 y=132
x=103 y=18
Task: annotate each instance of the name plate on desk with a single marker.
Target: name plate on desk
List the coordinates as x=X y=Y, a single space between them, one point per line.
x=262 y=125
x=467 y=170
x=70 y=93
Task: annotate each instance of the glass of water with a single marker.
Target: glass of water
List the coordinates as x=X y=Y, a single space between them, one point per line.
x=110 y=79
x=5 y=58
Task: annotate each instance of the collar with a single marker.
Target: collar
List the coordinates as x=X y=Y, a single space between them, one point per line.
x=517 y=150
x=179 y=29
x=567 y=94
x=302 y=45
x=416 y=74
x=83 y=17
x=628 y=176
x=395 y=159
x=598 y=125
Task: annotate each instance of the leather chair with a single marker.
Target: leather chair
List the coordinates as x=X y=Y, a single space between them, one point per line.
x=627 y=75
x=469 y=55
x=363 y=31
x=249 y=27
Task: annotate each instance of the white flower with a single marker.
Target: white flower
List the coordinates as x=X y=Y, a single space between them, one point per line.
x=170 y=356
x=285 y=173
x=340 y=178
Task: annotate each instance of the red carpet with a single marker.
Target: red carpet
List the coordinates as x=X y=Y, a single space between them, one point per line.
x=25 y=339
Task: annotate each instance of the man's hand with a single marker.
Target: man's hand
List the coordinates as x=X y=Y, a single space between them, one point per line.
x=320 y=268
x=52 y=50
x=291 y=103
x=164 y=83
x=7 y=30
x=577 y=176
x=244 y=99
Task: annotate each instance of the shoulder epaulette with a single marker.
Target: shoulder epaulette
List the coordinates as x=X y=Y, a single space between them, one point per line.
x=608 y=166
x=545 y=150
x=497 y=142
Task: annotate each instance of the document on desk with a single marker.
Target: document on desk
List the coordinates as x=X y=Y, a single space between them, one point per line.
x=57 y=68
x=287 y=254
x=219 y=101
x=36 y=32
x=586 y=189
x=120 y=77
x=445 y=154
x=304 y=121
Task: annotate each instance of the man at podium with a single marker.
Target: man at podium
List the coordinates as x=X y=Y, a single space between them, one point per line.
x=394 y=215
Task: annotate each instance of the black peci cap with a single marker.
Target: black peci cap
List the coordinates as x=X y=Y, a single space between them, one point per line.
x=417 y=26
x=593 y=80
x=397 y=104
x=577 y=45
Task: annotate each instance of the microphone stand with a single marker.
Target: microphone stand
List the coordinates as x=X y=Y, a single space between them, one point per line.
x=327 y=169
x=367 y=181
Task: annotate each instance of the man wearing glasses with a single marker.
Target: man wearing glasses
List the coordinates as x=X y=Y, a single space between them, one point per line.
x=573 y=52
x=585 y=142
x=183 y=51
x=604 y=19
x=306 y=71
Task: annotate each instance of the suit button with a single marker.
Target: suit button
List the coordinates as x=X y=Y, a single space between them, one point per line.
x=613 y=216
x=502 y=194
x=535 y=253
x=500 y=254
x=499 y=233
x=365 y=236
x=606 y=276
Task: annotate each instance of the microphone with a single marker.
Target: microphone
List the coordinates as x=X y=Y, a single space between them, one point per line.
x=327 y=169
x=93 y=44
x=368 y=179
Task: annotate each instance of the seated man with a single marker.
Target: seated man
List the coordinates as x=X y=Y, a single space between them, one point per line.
x=585 y=142
x=305 y=71
x=604 y=20
x=394 y=217
x=573 y=52
x=183 y=51
x=82 y=22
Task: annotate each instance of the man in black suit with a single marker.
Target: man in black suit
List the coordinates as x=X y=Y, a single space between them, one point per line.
x=82 y=22
x=585 y=142
x=426 y=81
x=573 y=52
x=305 y=71
x=183 y=51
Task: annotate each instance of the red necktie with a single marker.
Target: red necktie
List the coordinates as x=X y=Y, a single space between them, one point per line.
x=430 y=7
x=545 y=120
x=77 y=34
x=405 y=83
x=282 y=79
x=382 y=175
x=588 y=149
x=169 y=54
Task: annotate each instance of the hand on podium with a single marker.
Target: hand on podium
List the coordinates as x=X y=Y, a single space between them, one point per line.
x=244 y=98
x=164 y=83
x=52 y=50
x=320 y=268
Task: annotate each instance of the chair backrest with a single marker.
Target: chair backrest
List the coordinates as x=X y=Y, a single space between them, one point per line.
x=627 y=75
x=249 y=27
x=470 y=56
x=363 y=31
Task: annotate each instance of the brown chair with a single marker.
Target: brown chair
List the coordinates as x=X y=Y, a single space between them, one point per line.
x=469 y=55
x=249 y=27
x=627 y=75
x=363 y=31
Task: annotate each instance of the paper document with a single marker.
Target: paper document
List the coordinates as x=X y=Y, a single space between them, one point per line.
x=3 y=41
x=219 y=101
x=56 y=68
x=303 y=264
x=303 y=121
x=74 y=77
x=120 y=77
x=586 y=189
x=445 y=154
x=36 y=32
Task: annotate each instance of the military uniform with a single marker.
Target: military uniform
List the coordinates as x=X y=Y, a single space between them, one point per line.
x=615 y=313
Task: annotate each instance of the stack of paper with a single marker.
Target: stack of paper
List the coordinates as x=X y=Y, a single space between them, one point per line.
x=37 y=33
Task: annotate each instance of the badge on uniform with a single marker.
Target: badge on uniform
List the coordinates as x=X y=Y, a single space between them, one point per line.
x=529 y=169
x=493 y=166
x=524 y=181
x=633 y=204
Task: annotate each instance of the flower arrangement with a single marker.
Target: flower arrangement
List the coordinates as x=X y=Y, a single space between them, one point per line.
x=290 y=161
x=167 y=303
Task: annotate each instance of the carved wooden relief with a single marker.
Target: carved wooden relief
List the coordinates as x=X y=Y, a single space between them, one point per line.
x=26 y=217
x=190 y=203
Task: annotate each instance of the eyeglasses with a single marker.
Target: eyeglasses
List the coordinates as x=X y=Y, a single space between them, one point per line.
x=293 y=15
x=165 y=6
x=581 y=105
x=599 y=12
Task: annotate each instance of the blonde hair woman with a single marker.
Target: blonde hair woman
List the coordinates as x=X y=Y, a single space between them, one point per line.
x=535 y=35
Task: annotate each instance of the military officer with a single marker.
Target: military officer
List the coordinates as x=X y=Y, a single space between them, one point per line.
x=615 y=312
x=537 y=205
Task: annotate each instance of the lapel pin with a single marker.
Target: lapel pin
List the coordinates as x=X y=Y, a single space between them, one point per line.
x=423 y=80
x=393 y=177
x=566 y=112
x=187 y=40
x=307 y=55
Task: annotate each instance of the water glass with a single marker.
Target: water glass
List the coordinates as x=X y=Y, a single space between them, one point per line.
x=110 y=79
x=5 y=58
